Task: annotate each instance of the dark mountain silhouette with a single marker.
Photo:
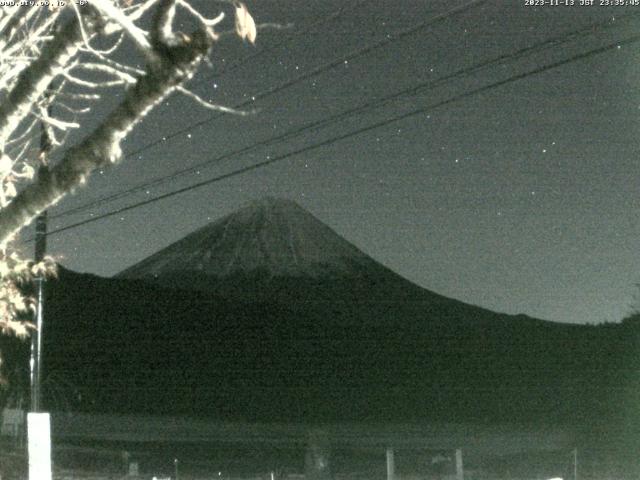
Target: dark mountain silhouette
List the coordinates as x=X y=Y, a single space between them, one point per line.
x=268 y=315
x=274 y=250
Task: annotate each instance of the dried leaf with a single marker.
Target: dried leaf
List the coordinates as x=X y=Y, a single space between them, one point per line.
x=20 y=329
x=245 y=25
x=6 y=165
x=10 y=190
x=45 y=268
x=27 y=172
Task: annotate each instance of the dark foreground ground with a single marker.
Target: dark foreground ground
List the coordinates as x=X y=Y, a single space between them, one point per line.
x=210 y=462
x=118 y=446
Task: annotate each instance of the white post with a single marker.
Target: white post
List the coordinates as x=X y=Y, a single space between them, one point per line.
x=575 y=464
x=39 y=444
x=459 y=466
x=390 y=464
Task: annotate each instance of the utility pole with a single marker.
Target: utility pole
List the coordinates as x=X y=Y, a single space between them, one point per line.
x=40 y=251
x=39 y=423
x=391 y=464
x=459 y=465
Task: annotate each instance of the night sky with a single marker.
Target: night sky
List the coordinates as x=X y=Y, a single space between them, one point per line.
x=520 y=198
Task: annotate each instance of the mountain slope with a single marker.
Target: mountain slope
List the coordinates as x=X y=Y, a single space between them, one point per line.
x=275 y=251
x=134 y=347
x=273 y=235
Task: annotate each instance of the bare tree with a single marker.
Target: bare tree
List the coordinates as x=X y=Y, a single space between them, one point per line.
x=65 y=54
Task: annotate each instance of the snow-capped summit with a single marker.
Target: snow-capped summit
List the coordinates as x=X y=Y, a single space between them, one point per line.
x=273 y=235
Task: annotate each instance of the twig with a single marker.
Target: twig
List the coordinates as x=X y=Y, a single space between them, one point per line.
x=212 y=106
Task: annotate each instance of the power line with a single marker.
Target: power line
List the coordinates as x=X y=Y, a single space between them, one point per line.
x=483 y=89
x=227 y=69
x=376 y=103
x=321 y=69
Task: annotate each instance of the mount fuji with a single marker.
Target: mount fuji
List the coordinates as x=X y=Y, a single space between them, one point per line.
x=269 y=315
x=275 y=236
x=274 y=250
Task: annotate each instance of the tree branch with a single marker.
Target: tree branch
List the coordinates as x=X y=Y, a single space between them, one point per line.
x=102 y=147
x=34 y=80
x=117 y=15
